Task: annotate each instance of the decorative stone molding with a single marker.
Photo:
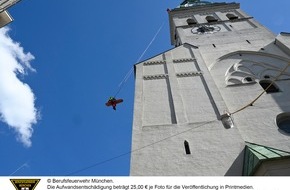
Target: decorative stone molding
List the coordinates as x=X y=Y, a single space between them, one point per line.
x=155 y=77
x=228 y=11
x=189 y=74
x=183 y=60
x=246 y=72
x=184 y=15
x=154 y=62
x=206 y=13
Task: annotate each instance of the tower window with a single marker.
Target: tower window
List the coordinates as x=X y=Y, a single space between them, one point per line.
x=186 y=146
x=283 y=122
x=191 y=21
x=232 y=16
x=211 y=19
x=249 y=79
x=269 y=87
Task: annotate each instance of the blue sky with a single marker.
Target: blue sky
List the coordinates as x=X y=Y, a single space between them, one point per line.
x=79 y=52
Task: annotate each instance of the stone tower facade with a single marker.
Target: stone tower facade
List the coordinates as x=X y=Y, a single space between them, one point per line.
x=216 y=104
x=5 y=17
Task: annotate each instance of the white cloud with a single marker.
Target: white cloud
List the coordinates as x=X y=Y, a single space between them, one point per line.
x=17 y=107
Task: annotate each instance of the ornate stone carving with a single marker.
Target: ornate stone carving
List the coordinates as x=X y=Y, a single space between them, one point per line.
x=189 y=74
x=183 y=60
x=155 y=77
x=246 y=72
x=154 y=62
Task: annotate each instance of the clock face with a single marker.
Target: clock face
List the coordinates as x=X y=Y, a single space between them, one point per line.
x=205 y=29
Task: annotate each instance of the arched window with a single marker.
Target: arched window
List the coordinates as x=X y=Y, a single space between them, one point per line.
x=269 y=86
x=249 y=79
x=186 y=146
x=232 y=16
x=283 y=122
x=211 y=19
x=191 y=21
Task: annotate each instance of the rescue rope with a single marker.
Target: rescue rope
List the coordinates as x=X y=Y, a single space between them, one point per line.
x=19 y=168
x=127 y=76
x=143 y=147
x=252 y=102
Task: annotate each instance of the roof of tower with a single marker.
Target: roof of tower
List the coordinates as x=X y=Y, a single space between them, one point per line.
x=192 y=3
x=256 y=154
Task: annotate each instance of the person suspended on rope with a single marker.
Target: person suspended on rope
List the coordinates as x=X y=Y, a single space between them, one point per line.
x=113 y=102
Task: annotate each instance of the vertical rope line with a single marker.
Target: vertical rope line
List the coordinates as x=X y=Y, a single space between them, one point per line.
x=138 y=60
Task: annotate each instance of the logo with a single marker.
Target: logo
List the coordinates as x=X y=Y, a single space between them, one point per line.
x=25 y=184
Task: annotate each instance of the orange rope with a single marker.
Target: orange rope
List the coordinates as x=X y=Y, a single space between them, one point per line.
x=252 y=102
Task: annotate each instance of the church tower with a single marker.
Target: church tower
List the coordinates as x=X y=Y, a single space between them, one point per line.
x=5 y=17
x=218 y=103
